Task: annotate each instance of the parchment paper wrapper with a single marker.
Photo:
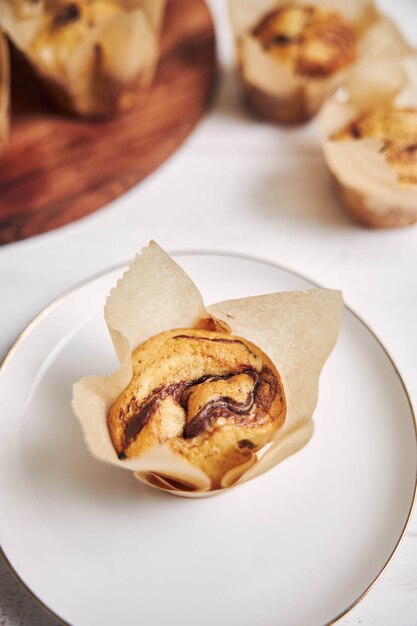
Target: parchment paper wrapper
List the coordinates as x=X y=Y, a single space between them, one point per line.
x=4 y=94
x=107 y=71
x=274 y=91
x=297 y=330
x=365 y=181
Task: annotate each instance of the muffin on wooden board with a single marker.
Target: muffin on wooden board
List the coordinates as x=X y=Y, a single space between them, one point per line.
x=95 y=57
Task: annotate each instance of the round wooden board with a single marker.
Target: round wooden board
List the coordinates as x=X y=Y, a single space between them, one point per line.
x=58 y=169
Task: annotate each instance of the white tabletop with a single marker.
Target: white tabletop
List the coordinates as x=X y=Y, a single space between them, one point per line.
x=242 y=186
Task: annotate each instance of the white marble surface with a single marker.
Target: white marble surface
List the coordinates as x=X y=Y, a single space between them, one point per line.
x=244 y=186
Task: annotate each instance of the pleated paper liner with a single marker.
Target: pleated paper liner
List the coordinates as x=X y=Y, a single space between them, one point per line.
x=102 y=72
x=277 y=92
x=297 y=330
x=367 y=184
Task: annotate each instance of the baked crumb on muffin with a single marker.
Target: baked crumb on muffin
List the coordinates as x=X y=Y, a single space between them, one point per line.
x=312 y=41
x=68 y=23
x=213 y=397
x=397 y=131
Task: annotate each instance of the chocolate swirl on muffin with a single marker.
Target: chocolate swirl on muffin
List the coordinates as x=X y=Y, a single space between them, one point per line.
x=213 y=397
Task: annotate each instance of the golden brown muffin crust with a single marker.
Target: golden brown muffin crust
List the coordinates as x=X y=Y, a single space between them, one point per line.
x=69 y=22
x=397 y=131
x=313 y=41
x=212 y=396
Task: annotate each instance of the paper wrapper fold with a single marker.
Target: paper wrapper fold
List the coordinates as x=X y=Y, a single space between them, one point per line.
x=4 y=94
x=108 y=70
x=296 y=330
x=365 y=181
x=273 y=90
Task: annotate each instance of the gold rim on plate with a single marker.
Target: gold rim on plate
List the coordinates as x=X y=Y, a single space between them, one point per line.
x=55 y=303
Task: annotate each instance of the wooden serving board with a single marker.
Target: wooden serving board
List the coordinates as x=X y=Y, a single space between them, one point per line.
x=58 y=169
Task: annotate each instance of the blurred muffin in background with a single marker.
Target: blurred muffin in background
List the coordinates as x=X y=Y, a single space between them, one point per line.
x=369 y=141
x=294 y=55
x=96 y=57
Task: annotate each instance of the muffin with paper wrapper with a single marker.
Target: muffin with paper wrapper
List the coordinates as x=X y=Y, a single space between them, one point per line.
x=205 y=398
x=292 y=55
x=369 y=139
x=95 y=57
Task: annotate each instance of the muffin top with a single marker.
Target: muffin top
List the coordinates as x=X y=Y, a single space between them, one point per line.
x=214 y=397
x=312 y=41
x=67 y=24
x=397 y=131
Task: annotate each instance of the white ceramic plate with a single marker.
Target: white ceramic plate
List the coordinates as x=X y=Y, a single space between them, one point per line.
x=297 y=546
